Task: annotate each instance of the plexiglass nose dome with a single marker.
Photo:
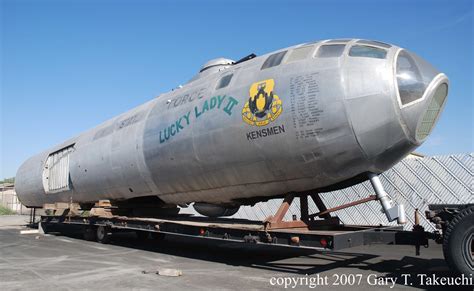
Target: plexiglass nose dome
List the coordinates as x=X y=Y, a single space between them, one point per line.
x=422 y=92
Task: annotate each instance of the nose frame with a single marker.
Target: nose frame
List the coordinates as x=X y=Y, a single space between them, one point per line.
x=430 y=92
x=409 y=122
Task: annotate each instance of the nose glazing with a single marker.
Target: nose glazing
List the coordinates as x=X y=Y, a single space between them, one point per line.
x=410 y=82
x=422 y=92
x=429 y=117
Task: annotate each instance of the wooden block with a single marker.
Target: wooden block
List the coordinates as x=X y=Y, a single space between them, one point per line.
x=98 y=211
x=61 y=205
x=103 y=203
x=61 y=212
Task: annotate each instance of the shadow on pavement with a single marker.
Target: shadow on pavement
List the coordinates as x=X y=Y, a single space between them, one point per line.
x=296 y=261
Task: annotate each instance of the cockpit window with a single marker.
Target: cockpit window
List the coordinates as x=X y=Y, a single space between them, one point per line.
x=224 y=81
x=273 y=60
x=313 y=42
x=367 y=52
x=299 y=53
x=374 y=42
x=330 y=51
x=339 y=40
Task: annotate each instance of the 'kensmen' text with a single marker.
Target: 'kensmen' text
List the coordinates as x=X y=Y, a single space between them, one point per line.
x=264 y=132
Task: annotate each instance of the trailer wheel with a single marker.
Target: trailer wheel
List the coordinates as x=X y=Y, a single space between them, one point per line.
x=458 y=242
x=103 y=234
x=90 y=233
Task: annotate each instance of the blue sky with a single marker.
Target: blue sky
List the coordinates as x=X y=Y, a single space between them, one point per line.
x=67 y=66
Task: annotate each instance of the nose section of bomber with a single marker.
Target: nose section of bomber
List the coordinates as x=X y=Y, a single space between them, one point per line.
x=421 y=94
x=393 y=100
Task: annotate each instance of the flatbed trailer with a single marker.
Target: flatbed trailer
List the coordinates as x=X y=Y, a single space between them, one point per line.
x=325 y=237
x=455 y=221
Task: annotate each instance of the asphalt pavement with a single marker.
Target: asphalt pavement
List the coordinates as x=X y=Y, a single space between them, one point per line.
x=67 y=262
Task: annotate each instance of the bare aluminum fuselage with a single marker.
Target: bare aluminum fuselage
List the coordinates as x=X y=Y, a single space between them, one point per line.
x=339 y=117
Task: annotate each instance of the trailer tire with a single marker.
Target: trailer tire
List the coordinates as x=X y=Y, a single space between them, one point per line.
x=458 y=242
x=103 y=234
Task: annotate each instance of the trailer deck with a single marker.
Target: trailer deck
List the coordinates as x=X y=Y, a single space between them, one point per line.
x=325 y=235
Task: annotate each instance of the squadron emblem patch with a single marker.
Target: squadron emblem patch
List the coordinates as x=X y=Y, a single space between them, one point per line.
x=263 y=105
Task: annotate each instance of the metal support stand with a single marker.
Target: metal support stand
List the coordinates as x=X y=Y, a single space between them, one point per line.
x=276 y=221
x=417 y=228
x=392 y=212
x=319 y=202
x=308 y=220
x=32 y=216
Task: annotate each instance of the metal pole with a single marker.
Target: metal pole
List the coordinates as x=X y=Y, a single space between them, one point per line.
x=344 y=206
x=320 y=204
x=304 y=207
x=392 y=212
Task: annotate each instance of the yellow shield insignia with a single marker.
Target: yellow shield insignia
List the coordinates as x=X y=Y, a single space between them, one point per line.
x=263 y=105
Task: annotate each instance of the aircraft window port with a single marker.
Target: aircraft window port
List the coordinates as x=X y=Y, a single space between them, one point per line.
x=339 y=41
x=224 y=81
x=410 y=83
x=373 y=42
x=313 y=42
x=299 y=53
x=273 y=60
x=367 y=52
x=330 y=51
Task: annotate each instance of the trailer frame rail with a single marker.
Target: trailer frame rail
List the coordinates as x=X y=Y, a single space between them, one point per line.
x=330 y=237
